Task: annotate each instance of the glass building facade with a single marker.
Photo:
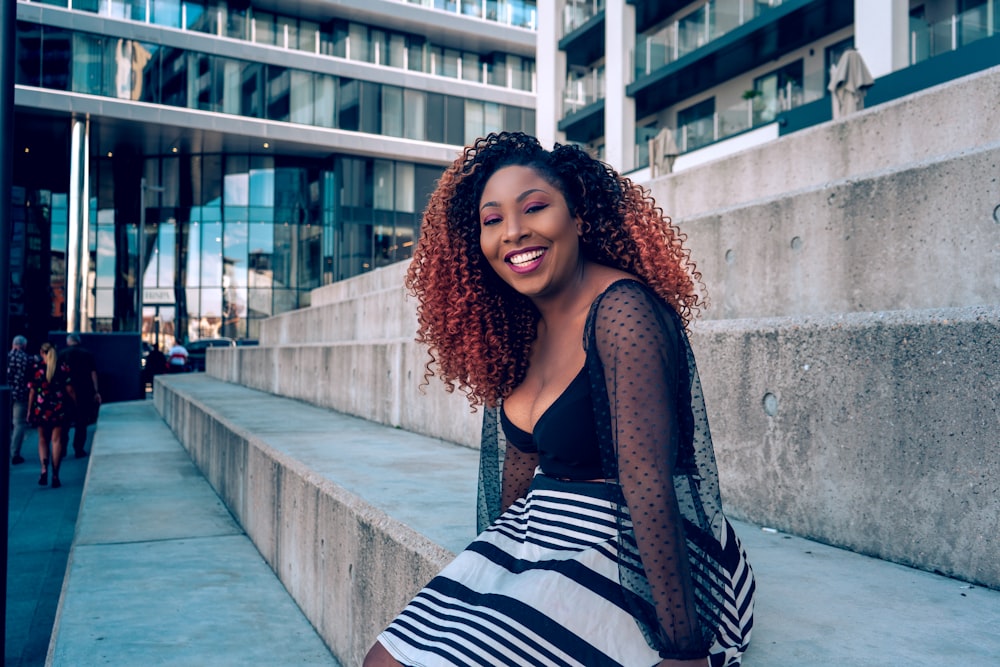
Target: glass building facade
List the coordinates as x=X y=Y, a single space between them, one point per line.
x=261 y=155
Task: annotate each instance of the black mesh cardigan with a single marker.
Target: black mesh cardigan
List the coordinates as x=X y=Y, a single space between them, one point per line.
x=656 y=451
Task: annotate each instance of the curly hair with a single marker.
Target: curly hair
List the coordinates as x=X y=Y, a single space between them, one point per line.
x=478 y=329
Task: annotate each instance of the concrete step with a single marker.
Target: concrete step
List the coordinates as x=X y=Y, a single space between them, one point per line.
x=827 y=426
x=882 y=241
x=355 y=517
x=159 y=571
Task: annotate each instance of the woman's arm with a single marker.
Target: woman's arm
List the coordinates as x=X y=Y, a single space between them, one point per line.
x=644 y=367
x=518 y=470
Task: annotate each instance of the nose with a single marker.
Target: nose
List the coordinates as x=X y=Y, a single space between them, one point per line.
x=513 y=229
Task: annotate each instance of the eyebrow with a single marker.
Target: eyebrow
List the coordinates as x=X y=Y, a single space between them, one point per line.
x=520 y=198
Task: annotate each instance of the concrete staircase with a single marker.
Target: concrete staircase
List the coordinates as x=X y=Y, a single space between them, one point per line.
x=850 y=356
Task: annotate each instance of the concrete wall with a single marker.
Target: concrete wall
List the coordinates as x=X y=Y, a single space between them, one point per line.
x=884 y=437
x=957 y=115
x=381 y=381
x=923 y=236
x=349 y=566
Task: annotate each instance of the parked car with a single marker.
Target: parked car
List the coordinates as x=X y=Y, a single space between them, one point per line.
x=196 y=350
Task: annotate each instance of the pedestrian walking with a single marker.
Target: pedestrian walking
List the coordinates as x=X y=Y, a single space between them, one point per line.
x=19 y=367
x=50 y=397
x=87 y=399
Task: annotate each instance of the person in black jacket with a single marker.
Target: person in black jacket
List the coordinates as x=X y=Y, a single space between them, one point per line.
x=83 y=377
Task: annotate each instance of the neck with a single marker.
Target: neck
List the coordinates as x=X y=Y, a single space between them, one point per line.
x=568 y=301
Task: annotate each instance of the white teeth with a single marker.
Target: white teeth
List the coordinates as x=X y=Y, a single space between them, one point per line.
x=526 y=257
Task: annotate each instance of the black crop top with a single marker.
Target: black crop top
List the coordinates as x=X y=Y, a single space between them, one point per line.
x=565 y=436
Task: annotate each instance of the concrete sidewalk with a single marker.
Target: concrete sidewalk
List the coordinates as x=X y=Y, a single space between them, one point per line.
x=160 y=573
x=42 y=521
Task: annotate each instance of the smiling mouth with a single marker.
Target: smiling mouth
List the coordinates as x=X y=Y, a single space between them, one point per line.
x=526 y=260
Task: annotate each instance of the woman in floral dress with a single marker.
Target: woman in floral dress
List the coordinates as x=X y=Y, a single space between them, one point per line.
x=49 y=402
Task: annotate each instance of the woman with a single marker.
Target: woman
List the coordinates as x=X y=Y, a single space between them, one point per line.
x=49 y=396
x=555 y=292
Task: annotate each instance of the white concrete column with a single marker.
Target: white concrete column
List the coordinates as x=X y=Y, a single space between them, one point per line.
x=78 y=232
x=619 y=108
x=882 y=34
x=550 y=72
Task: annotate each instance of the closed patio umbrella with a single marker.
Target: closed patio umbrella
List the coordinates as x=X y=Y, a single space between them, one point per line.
x=849 y=81
x=663 y=151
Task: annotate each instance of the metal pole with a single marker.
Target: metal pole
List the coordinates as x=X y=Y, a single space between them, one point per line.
x=143 y=187
x=8 y=15
x=141 y=245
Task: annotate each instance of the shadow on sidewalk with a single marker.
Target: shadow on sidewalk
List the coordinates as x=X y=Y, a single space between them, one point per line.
x=42 y=521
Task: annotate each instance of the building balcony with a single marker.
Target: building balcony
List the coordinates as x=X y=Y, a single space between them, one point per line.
x=352 y=40
x=516 y=13
x=583 y=32
x=582 y=114
x=712 y=46
x=958 y=30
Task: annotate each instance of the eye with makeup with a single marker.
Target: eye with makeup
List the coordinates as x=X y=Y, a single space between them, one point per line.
x=491 y=220
x=535 y=207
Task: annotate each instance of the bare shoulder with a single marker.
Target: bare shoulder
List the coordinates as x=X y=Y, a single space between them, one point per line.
x=604 y=277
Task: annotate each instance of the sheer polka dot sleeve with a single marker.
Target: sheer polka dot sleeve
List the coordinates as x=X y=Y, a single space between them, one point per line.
x=643 y=363
x=518 y=471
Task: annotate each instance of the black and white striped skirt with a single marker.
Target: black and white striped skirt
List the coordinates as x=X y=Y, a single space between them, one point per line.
x=541 y=587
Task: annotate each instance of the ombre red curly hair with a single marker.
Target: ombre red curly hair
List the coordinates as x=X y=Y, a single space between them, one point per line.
x=479 y=330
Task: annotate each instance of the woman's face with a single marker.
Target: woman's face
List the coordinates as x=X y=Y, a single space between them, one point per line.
x=526 y=232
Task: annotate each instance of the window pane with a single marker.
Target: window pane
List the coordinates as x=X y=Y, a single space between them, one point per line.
x=397 y=49
x=252 y=90
x=166 y=249
x=415 y=119
x=325 y=104
x=263 y=28
x=404 y=187
x=278 y=103
x=287 y=33
x=211 y=255
x=87 y=63
x=357 y=42
x=450 y=65
x=235 y=262
x=301 y=98
x=262 y=184
x=370 y=107
x=383 y=184
x=435 y=118
x=193 y=260
x=237 y=24
x=105 y=257
x=165 y=12
x=416 y=55
x=196 y=17
x=392 y=111
x=471 y=70
x=492 y=119
x=348 y=112
x=308 y=36
x=473 y=120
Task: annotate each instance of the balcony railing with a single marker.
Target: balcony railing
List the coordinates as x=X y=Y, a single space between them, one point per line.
x=583 y=90
x=706 y=24
x=517 y=13
x=578 y=12
x=747 y=115
x=358 y=42
x=929 y=40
